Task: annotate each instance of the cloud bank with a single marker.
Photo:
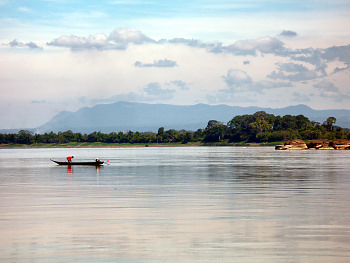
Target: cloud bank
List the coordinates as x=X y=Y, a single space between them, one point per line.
x=131 y=66
x=123 y=37
x=18 y=44
x=117 y=39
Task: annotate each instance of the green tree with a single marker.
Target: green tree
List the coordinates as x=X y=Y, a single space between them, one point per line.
x=92 y=137
x=329 y=123
x=260 y=125
x=289 y=122
x=161 y=131
x=187 y=138
x=302 y=122
x=112 y=137
x=68 y=136
x=239 y=127
x=215 y=131
x=198 y=135
x=277 y=124
x=25 y=137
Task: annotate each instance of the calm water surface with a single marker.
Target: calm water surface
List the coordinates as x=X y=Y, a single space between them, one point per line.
x=196 y=204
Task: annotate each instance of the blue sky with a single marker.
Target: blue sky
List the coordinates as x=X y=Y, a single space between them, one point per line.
x=245 y=53
x=50 y=17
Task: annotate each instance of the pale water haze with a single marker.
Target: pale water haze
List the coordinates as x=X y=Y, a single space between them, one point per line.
x=168 y=204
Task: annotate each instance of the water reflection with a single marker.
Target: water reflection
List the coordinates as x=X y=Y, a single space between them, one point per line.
x=177 y=205
x=69 y=170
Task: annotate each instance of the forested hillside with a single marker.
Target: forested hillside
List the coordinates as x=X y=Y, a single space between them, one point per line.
x=259 y=127
x=264 y=127
x=143 y=117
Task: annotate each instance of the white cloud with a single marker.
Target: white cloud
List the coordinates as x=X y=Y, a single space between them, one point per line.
x=118 y=39
x=18 y=44
x=162 y=63
x=179 y=83
x=128 y=35
x=251 y=46
x=151 y=92
x=326 y=85
x=329 y=91
x=266 y=84
x=295 y=72
x=288 y=33
x=237 y=80
x=38 y=101
x=337 y=52
x=155 y=91
x=75 y=42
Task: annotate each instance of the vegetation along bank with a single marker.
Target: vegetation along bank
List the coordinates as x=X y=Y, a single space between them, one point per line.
x=259 y=127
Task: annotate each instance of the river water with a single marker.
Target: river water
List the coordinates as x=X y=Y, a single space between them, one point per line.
x=175 y=204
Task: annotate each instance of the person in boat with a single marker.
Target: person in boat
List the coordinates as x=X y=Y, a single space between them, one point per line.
x=69 y=158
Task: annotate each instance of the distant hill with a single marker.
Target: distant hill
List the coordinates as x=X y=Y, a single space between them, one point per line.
x=124 y=116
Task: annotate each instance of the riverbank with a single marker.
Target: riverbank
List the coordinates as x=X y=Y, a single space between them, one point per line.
x=337 y=144
x=126 y=145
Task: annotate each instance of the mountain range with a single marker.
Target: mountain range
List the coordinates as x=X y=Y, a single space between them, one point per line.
x=143 y=117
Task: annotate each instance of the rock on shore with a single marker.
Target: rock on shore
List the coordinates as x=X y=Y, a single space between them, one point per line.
x=339 y=144
x=293 y=145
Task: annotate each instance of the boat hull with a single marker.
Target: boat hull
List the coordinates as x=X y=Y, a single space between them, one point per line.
x=79 y=163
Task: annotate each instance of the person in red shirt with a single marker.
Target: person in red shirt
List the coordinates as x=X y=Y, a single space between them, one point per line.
x=69 y=158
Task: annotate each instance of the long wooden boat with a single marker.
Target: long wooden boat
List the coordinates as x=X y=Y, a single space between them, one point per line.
x=95 y=163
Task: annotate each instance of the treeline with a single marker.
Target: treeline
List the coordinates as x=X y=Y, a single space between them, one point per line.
x=260 y=127
x=263 y=127
x=170 y=136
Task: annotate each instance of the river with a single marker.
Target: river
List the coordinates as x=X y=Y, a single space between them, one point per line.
x=175 y=204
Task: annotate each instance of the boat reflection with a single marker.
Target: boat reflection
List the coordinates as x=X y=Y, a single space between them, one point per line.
x=70 y=170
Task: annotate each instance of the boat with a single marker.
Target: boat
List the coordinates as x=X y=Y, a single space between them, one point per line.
x=95 y=163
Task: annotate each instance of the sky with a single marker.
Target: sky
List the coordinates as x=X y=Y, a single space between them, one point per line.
x=62 y=55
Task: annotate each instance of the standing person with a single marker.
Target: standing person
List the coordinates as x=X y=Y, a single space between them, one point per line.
x=69 y=158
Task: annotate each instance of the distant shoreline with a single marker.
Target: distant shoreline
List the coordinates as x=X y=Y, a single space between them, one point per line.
x=127 y=145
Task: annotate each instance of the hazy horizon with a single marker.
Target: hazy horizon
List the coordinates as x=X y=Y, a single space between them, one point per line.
x=127 y=113
x=62 y=56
